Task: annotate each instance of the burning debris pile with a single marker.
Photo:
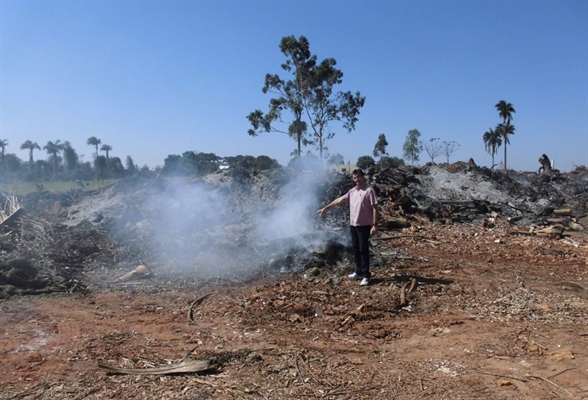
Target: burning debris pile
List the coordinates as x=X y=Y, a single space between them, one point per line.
x=239 y=224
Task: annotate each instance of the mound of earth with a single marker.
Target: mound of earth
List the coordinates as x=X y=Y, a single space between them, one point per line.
x=479 y=289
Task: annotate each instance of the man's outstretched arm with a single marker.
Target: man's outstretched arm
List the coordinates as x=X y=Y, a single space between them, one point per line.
x=332 y=204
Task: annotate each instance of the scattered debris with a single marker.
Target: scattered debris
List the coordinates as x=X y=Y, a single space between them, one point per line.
x=483 y=261
x=195 y=303
x=141 y=272
x=182 y=367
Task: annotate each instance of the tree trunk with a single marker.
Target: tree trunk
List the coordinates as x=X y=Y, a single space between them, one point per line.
x=505 y=152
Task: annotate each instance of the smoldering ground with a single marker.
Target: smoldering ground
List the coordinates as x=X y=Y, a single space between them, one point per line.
x=235 y=224
x=230 y=224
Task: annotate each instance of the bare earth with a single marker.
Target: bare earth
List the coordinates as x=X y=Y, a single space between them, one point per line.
x=491 y=317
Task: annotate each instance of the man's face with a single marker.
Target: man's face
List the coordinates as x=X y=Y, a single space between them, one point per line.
x=358 y=179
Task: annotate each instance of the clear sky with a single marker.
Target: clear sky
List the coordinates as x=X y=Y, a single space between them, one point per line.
x=154 y=78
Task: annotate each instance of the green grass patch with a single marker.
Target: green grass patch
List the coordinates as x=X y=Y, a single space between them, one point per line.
x=21 y=189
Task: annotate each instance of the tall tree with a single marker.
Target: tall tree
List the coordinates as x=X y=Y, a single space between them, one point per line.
x=131 y=167
x=3 y=144
x=30 y=146
x=70 y=156
x=336 y=159
x=492 y=141
x=412 y=146
x=94 y=141
x=53 y=149
x=101 y=166
x=448 y=148
x=504 y=130
x=505 y=111
x=323 y=106
x=365 y=162
x=380 y=146
x=433 y=148
x=308 y=93
x=106 y=148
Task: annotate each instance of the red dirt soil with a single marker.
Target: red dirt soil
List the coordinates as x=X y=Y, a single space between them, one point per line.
x=492 y=316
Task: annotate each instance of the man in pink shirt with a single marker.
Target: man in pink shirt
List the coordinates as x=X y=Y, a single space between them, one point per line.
x=363 y=216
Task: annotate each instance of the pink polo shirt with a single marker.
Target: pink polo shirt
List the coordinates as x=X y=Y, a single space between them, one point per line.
x=360 y=205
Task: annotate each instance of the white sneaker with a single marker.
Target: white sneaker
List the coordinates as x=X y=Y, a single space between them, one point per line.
x=365 y=282
x=353 y=276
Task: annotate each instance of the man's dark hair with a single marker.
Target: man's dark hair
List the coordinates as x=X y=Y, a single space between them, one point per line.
x=358 y=171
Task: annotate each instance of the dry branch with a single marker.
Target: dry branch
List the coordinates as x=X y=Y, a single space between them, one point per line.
x=551 y=383
x=403 y=301
x=195 y=303
x=398 y=237
x=179 y=368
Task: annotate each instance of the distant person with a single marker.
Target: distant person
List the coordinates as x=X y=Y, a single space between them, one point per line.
x=363 y=216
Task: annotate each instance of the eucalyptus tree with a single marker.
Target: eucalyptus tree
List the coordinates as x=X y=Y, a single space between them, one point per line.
x=30 y=146
x=380 y=146
x=505 y=111
x=413 y=146
x=324 y=106
x=106 y=148
x=53 y=149
x=94 y=141
x=310 y=94
x=492 y=141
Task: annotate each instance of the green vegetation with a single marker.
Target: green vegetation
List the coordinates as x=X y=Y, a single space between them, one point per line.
x=21 y=189
x=412 y=146
x=380 y=146
x=492 y=141
x=389 y=162
x=365 y=162
x=63 y=171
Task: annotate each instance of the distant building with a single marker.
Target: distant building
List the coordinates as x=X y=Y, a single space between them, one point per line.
x=343 y=168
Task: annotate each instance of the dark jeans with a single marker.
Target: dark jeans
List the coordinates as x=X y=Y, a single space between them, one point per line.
x=360 y=242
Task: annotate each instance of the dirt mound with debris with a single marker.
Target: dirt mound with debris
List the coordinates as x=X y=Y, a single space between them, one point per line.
x=479 y=289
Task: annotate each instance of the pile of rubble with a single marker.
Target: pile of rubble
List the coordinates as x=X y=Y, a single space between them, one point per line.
x=238 y=224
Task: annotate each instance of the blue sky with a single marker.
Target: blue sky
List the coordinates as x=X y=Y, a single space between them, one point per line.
x=154 y=78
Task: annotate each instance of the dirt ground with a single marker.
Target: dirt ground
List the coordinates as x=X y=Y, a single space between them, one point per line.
x=490 y=317
x=487 y=314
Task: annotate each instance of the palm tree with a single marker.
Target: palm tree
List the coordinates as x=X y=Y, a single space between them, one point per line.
x=30 y=146
x=492 y=141
x=54 y=149
x=106 y=148
x=505 y=111
x=94 y=141
x=504 y=130
x=3 y=144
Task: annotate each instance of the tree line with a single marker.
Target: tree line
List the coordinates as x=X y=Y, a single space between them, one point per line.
x=305 y=103
x=434 y=147
x=304 y=106
x=63 y=163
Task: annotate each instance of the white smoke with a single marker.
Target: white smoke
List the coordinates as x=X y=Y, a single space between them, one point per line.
x=221 y=228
